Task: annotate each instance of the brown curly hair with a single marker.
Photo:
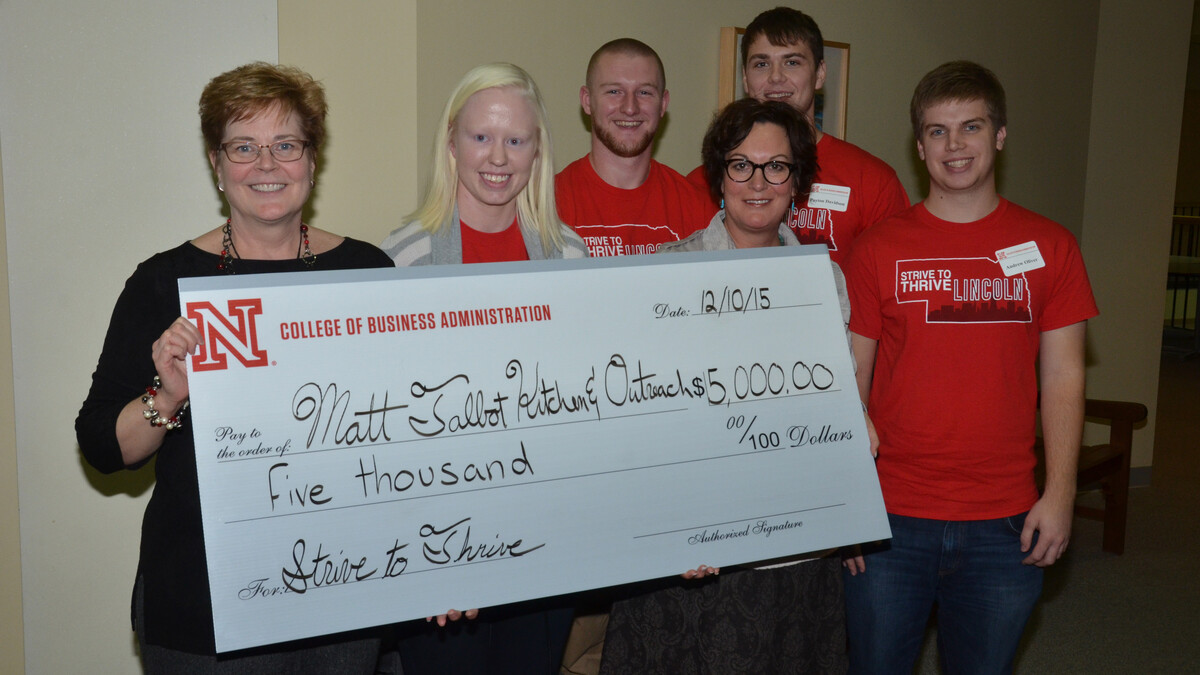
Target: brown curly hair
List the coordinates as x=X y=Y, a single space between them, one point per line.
x=733 y=124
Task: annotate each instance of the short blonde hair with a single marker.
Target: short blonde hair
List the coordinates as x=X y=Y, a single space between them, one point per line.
x=535 y=204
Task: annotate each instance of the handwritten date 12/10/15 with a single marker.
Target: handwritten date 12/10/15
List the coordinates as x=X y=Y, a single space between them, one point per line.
x=735 y=300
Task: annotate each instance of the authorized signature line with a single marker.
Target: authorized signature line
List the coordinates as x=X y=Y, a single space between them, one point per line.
x=742 y=520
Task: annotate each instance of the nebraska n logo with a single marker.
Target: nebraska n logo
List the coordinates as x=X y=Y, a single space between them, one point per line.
x=234 y=333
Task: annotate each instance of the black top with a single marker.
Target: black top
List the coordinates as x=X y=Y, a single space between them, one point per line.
x=178 y=610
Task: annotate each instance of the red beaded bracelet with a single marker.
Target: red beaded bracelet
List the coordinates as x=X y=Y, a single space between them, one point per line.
x=152 y=415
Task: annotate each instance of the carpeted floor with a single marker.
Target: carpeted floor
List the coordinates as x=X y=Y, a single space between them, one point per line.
x=1138 y=612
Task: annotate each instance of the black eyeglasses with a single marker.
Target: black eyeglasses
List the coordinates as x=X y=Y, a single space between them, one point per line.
x=742 y=170
x=244 y=152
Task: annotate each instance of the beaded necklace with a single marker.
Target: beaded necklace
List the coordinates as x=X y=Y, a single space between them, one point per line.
x=229 y=251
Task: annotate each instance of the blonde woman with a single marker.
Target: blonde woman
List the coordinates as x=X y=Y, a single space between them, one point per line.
x=491 y=186
x=490 y=199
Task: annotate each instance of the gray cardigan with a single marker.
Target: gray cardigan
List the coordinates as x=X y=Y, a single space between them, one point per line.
x=414 y=245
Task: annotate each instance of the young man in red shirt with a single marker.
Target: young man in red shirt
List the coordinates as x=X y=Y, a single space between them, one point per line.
x=783 y=59
x=617 y=197
x=965 y=305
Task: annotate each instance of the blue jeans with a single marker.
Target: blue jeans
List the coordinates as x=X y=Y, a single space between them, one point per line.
x=971 y=569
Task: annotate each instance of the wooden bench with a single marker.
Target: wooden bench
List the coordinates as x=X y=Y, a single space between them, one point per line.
x=1107 y=465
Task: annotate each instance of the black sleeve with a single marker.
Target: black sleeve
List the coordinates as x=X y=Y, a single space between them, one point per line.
x=146 y=306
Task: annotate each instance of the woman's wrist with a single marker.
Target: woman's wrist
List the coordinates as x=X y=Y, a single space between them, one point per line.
x=160 y=410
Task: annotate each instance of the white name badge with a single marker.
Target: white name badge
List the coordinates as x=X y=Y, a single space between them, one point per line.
x=374 y=446
x=832 y=197
x=1020 y=258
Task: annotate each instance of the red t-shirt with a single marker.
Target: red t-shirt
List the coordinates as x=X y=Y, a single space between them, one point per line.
x=613 y=221
x=484 y=247
x=954 y=391
x=852 y=190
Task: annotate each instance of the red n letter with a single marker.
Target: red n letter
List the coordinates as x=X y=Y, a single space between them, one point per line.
x=221 y=336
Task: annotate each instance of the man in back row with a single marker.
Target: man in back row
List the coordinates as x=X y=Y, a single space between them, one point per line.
x=783 y=59
x=617 y=197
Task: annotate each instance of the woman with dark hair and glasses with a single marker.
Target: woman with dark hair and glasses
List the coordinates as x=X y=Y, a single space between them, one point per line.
x=759 y=160
x=779 y=616
x=263 y=126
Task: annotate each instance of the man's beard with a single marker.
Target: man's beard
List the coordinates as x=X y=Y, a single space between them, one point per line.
x=616 y=147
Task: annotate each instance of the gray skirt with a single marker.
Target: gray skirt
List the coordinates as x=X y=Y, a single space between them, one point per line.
x=782 y=620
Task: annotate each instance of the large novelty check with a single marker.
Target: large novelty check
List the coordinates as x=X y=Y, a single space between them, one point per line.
x=382 y=445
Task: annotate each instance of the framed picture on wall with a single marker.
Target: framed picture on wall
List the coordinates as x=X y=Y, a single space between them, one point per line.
x=831 y=99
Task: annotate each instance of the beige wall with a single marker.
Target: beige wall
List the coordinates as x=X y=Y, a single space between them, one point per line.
x=1187 y=186
x=103 y=165
x=12 y=632
x=80 y=83
x=367 y=60
x=1131 y=168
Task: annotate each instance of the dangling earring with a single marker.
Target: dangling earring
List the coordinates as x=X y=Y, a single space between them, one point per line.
x=722 y=204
